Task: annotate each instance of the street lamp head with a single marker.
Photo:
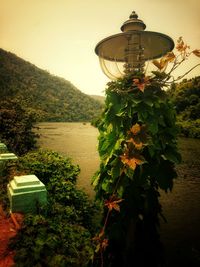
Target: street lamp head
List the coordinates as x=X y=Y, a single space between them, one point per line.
x=127 y=52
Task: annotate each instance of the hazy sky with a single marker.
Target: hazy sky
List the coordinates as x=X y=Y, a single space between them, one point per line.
x=60 y=35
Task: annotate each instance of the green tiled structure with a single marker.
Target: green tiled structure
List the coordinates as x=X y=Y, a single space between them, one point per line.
x=4 y=158
x=7 y=156
x=3 y=148
x=26 y=193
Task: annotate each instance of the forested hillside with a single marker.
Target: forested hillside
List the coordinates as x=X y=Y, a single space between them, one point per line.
x=101 y=99
x=186 y=97
x=49 y=97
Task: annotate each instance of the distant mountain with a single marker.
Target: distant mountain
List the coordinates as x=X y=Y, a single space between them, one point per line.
x=99 y=98
x=51 y=98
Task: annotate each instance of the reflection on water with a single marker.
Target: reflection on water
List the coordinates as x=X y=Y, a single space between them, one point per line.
x=181 y=234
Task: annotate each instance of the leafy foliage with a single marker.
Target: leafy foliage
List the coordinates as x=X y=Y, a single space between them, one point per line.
x=47 y=165
x=49 y=97
x=186 y=98
x=49 y=241
x=16 y=127
x=60 y=234
x=138 y=150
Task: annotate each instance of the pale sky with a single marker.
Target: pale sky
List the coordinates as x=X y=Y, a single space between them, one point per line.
x=60 y=35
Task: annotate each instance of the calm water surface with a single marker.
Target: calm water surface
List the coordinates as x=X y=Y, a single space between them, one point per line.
x=77 y=141
x=181 y=234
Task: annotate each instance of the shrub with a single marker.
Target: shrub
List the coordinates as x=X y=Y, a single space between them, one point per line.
x=190 y=128
x=48 y=165
x=61 y=233
x=47 y=240
x=16 y=127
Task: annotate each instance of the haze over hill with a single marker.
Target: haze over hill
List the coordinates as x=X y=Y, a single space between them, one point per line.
x=51 y=98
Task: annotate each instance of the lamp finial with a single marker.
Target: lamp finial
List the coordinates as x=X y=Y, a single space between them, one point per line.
x=133 y=15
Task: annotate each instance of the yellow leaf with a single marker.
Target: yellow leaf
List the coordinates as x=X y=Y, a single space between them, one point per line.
x=163 y=62
x=97 y=248
x=157 y=64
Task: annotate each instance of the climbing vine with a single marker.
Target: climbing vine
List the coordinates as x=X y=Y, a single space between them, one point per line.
x=138 y=153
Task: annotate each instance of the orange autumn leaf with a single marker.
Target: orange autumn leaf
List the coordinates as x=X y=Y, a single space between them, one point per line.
x=99 y=236
x=101 y=245
x=135 y=129
x=181 y=46
x=104 y=243
x=196 y=52
x=137 y=145
x=170 y=57
x=113 y=204
x=141 y=83
x=131 y=162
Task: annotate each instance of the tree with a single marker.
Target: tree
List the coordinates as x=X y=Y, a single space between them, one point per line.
x=186 y=98
x=16 y=127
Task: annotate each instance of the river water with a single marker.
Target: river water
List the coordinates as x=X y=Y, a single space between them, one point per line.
x=181 y=233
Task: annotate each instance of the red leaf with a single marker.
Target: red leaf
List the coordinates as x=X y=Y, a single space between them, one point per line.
x=113 y=204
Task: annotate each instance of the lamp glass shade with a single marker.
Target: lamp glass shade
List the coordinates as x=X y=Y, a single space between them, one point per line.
x=146 y=45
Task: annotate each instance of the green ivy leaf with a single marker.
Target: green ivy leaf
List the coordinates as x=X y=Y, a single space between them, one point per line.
x=106 y=186
x=149 y=102
x=165 y=175
x=153 y=127
x=172 y=155
x=95 y=179
x=115 y=171
x=121 y=114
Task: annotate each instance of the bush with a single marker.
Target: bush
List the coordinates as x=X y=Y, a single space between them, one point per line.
x=61 y=233
x=190 y=128
x=16 y=127
x=48 y=165
x=47 y=240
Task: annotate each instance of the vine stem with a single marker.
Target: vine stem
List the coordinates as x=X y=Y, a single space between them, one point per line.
x=180 y=77
x=106 y=220
x=102 y=261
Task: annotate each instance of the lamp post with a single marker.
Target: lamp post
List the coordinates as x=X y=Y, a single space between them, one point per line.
x=137 y=147
x=128 y=51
